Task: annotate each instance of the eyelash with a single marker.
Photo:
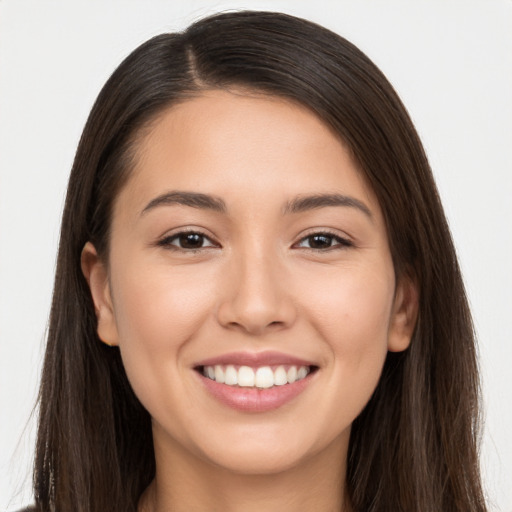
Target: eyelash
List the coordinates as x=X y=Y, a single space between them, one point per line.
x=342 y=243
x=167 y=242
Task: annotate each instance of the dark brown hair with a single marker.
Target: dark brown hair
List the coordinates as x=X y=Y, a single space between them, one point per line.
x=414 y=447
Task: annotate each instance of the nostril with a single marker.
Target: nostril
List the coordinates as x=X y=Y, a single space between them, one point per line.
x=254 y=307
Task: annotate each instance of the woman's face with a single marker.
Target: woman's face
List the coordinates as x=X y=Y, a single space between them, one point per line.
x=246 y=246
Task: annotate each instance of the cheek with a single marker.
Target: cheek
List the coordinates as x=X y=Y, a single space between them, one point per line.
x=158 y=310
x=353 y=301
x=352 y=312
x=159 y=307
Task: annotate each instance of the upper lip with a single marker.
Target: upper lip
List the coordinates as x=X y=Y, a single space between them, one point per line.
x=255 y=359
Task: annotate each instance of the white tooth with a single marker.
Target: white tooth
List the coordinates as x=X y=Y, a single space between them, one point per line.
x=291 y=374
x=303 y=371
x=280 y=376
x=245 y=376
x=210 y=372
x=231 y=375
x=219 y=374
x=264 y=377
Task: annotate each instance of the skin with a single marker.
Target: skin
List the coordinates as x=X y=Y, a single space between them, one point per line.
x=256 y=284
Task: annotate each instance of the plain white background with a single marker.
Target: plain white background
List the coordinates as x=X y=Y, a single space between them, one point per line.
x=450 y=61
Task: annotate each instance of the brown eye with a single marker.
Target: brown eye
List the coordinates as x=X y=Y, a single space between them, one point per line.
x=190 y=240
x=319 y=241
x=187 y=240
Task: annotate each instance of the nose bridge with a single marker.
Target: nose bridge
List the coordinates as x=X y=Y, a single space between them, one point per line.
x=258 y=299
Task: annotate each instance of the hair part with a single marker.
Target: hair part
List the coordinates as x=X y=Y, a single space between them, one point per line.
x=94 y=449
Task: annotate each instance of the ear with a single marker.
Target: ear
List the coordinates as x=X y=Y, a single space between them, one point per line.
x=404 y=314
x=96 y=274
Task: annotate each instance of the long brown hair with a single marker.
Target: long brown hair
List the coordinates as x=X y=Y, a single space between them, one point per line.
x=414 y=447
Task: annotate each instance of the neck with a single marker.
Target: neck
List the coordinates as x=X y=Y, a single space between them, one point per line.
x=185 y=482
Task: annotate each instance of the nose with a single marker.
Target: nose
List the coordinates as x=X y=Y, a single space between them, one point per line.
x=257 y=299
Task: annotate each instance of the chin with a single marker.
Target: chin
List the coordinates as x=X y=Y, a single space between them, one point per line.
x=258 y=462
x=271 y=455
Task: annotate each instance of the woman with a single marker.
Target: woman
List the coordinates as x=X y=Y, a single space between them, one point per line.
x=257 y=300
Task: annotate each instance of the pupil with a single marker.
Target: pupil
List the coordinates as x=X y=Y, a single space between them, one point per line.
x=191 y=241
x=320 y=241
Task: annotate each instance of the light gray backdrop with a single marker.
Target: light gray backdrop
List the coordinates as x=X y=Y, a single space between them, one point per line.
x=450 y=61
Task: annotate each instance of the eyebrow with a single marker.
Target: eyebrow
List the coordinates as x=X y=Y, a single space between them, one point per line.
x=304 y=203
x=192 y=199
x=216 y=204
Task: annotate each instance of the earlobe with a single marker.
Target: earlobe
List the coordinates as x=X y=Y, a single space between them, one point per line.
x=96 y=275
x=404 y=315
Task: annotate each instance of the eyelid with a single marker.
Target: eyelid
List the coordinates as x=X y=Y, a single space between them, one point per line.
x=344 y=241
x=165 y=240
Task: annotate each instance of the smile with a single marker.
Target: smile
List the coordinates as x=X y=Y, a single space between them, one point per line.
x=264 y=377
x=255 y=382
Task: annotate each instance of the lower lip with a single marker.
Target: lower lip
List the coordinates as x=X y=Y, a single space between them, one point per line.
x=255 y=399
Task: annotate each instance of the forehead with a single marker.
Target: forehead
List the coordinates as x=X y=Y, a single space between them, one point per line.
x=255 y=145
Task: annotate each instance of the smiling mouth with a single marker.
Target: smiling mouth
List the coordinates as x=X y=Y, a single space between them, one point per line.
x=262 y=377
